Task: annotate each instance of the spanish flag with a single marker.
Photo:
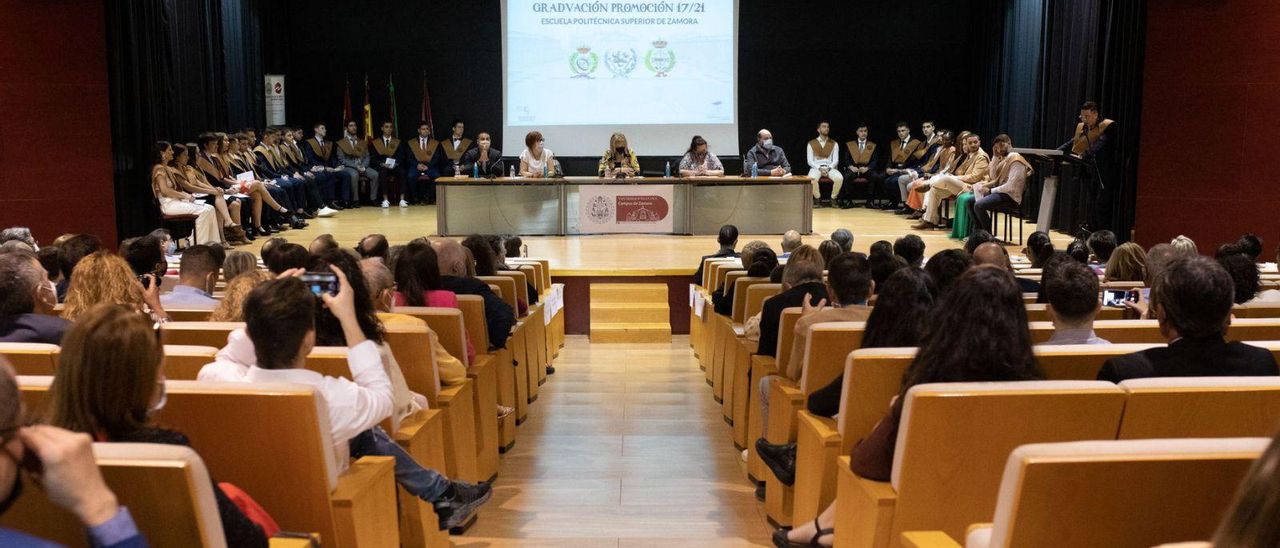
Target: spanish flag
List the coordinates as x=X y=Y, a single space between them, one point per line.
x=368 y=110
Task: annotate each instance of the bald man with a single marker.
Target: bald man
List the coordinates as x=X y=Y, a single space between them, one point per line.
x=768 y=158
x=452 y=259
x=790 y=241
x=994 y=255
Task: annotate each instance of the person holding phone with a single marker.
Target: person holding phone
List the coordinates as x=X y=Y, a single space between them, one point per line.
x=61 y=463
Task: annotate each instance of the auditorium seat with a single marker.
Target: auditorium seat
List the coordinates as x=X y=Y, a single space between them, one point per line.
x=30 y=358
x=198 y=333
x=1147 y=331
x=1040 y=313
x=739 y=378
x=824 y=359
x=1258 y=310
x=507 y=364
x=183 y=362
x=952 y=444
x=1109 y=493
x=762 y=366
x=535 y=339
x=1201 y=407
x=737 y=350
x=288 y=464
x=188 y=314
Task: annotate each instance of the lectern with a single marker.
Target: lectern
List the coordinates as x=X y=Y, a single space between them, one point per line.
x=1051 y=160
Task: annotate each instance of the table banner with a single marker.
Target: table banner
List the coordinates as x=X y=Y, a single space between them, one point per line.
x=626 y=208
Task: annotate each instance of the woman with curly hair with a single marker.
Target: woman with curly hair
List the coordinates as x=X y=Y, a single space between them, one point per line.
x=1128 y=263
x=104 y=277
x=231 y=309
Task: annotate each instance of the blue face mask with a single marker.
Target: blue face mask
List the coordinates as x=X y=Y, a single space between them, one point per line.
x=768 y=143
x=171 y=247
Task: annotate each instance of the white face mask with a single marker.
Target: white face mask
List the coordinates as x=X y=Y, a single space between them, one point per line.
x=768 y=143
x=161 y=401
x=49 y=293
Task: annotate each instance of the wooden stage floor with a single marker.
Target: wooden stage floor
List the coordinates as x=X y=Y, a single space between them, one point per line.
x=625 y=254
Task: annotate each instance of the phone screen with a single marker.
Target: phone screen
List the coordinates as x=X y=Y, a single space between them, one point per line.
x=320 y=282
x=1117 y=297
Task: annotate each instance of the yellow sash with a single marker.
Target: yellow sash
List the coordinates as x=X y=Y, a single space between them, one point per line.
x=356 y=152
x=863 y=158
x=820 y=151
x=384 y=149
x=321 y=151
x=1081 y=144
x=455 y=153
x=424 y=156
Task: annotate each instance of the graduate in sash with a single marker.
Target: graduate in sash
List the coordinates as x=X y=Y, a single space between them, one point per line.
x=420 y=165
x=823 y=155
x=387 y=158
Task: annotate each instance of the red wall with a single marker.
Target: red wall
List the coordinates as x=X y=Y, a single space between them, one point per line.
x=1209 y=162
x=55 y=127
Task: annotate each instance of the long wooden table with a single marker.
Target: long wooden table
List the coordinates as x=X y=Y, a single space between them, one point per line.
x=506 y=205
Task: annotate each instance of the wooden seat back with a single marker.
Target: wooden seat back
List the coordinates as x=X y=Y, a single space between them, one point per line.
x=741 y=293
x=1119 y=493
x=1259 y=310
x=411 y=346
x=955 y=438
x=531 y=273
x=708 y=271
x=31 y=358
x=448 y=325
x=786 y=336
x=521 y=283
x=1148 y=331
x=188 y=314
x=757 y=294
x=198 y=333
x=720 y=271
x=829 y=344
x=543 y=268
x=506 y=289
x=1201 y=407
x=166 y=488
x=1040 y=313
x=472 y=307
x=183 y=362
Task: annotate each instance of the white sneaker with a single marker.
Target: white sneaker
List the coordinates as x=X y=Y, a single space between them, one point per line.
x=326 y=212
x=404 y=203
x=744 y=455
x=385 y=204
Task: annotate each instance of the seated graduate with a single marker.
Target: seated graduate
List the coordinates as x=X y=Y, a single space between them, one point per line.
x=1191 y=299
x=618 y=160
x=698 y=161
x=421 y=165
x=483 y=160
x=768 y=158
x=823 y=157
x=536 y=161
x=387 y=157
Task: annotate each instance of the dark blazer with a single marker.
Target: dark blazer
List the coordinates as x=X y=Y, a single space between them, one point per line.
x=239 y=530
x=724 y=252
x=771 y=314
x=315 y=158
x=33 y=328
x=497 y=314
x=493 y=168
x=1188 y=357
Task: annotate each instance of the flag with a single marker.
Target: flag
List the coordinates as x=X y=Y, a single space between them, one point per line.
x=368 y=110
x=426 y=105
x=346 y=104
x=391 y=100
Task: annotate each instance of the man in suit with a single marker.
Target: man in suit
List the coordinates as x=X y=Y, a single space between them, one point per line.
x=320 y=158
x=728 y=240
x=271 y=168
x=861 y=166
x=387 y=158
x=972 y=170
x=27 y=298
x=324 y=180
x=454 y=147
x=483 y=160
x=803 y=275
x=453 y=277
x=1191 y=299
x=420 y=165
x=994 y=254
x=353 y=154
x=905 y=154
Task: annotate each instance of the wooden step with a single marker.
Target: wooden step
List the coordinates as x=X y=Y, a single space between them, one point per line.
x=629 y=312
x=636 y=332
x=628 y=293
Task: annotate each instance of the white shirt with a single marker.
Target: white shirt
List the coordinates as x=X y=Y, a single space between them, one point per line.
x=815 y=161
x=535 y=165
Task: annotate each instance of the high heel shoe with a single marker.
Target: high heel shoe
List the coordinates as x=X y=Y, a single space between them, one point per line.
x=781 y=541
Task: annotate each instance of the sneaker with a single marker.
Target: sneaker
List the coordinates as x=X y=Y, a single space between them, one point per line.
x=460 y=501
x=326 y=212
x=385 y=204
x=504 y=411
x=404 y=203
x=744 y=455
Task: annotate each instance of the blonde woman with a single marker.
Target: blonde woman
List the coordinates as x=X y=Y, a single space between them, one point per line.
x=232 y=307
x=237 y=263
x=189 y=180
x=104 y=277
x=618 y=159
x=1128 y=263
x=173 y=201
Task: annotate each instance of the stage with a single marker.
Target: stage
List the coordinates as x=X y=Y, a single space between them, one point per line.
x=627 y=254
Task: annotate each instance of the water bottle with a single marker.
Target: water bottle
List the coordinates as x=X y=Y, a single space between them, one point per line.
x=475 y=170
x=513 y=172
x=524 y=250
x=544 y=170
x=667 y=172
x=457 y=170
x=755 y=170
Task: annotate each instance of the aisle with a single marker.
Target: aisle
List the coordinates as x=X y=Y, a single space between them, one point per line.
x=626 y=448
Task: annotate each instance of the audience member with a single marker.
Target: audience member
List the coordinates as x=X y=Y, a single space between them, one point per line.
x=790 y=241
x=1158 y=257
x=72 y=250
x=1128 y=263
x=880 y=247
x=269 y=247
x=728 y=240
x=110 y=385
x=1050 y=266
x=418 y=283
x=285 y=257
x=27 y=299
x=69 y=475
x=829 y=250
x=993 y=254
x=322 y=244
x=145 y=256
x=482 y=254
x=911 y=249
x=1039 y=248
x=453 y=277
x=1101 y=243
x=722 y=298
x=802 y=281
x=848 y=287
x=1245 y=279
x=976 y=239
x=1249 y=523
x=843 y=237
x=196 y=279
x=1191 y=299
x=48 y=257
x=19 y=234
x=514 y=246
x=1250 y=244
x=373 y=245
x=104 y=278
x=1072 y=292
x=1184 y=245
x=946 y=267
x=237 y=263
x=995 y=345
x=1079 y=251
x=231 y=308
x=883 y=266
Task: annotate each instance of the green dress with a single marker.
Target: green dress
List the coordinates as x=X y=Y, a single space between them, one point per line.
x=961 y=224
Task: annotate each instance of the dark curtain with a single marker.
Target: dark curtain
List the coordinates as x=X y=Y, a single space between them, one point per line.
x=177 y=69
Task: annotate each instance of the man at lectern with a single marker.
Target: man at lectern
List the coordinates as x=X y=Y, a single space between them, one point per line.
x=1092 y=144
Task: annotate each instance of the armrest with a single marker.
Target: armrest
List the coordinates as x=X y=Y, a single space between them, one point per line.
x=448 y=394
x=785 y=400
x=420 y=434
x=823 y=428
x=481 y=360
x=364 y=504
x=750 y=345
x=864 y=508
x=928 y=539
x=763 y=365
x=312 y=539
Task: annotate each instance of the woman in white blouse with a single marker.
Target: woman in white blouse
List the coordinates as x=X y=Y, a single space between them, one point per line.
x=536 y=161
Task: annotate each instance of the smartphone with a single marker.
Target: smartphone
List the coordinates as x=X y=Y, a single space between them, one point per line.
x=146 y=280
x=1117 y=297
x=320 y=282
